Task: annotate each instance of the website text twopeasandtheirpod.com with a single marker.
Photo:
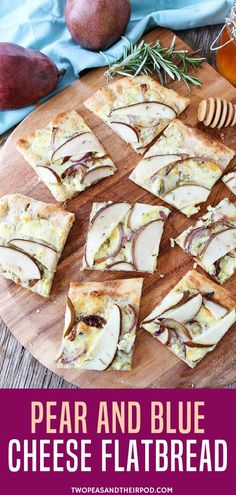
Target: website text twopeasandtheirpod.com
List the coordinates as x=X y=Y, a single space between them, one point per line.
x=121 y=489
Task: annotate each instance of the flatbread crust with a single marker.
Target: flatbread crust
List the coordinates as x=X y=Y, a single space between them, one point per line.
x=197 y=142
x=225 y=266
x=22 y=217
x=230 y=181
x=98 y=298
x=38 y=147
x=199 y=162
x=182 y=344
x=128 y=91
x=202 y=283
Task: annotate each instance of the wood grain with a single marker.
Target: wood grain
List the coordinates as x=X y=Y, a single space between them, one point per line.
x=154 y=366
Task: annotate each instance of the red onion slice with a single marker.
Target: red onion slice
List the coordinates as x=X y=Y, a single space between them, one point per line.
x=83 y=158
x=65 y=159
x=159 y=331
x=191 y=236
x=163 y=216
x=164 y=182
x=72 y=169
x=196 y=232
x=129 y=237
x=75 y=356
x=223 y=223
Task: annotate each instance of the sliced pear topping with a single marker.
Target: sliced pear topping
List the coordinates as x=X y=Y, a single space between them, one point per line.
x=194 y=345
x=53 y=138
x=232 y=184
x=137 y=212
x=147 y=110
x=104 y=349
x=96 y=174
x=41 y=252
x=122 y=265
x=216 y=309
x=204 y=232
x=19 y=263
x=77 y=145
x=178 y=328
x=168 y=302
x=186 y=195
x=183 y=161
x=134 y=319
x=214 y=334
x=126 y=131
x=185 y=312
x=101 y=227
x=114 y=247
x=140 y=149
x=70 y=317
x=218 y=246
x=48 y=175
x=145 y=246
x=149 y=166
x=230 y=181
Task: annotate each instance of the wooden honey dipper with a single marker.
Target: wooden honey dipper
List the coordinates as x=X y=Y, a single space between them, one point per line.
x=215 y=112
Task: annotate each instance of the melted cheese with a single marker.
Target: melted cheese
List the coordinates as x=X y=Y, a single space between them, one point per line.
x=202 y=321
x=201 y=172
x=110 y=245
x=21 y=224
x=223 y=211
x=89 y=336
x=39 y=152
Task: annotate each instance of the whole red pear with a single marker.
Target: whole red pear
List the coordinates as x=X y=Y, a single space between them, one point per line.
x=97 y=24
x=25 y=76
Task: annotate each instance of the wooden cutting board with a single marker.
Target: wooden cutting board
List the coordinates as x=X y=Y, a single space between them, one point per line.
x=37 y=322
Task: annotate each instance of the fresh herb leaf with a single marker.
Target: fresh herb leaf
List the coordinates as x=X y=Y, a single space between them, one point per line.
x=147 y=58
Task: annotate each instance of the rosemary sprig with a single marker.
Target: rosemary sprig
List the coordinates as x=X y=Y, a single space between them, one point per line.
x=146 y=58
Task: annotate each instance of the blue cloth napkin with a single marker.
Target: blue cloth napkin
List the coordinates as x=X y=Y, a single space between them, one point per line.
x=40 y=24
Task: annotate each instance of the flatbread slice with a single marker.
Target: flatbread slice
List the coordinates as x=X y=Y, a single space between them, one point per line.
x=66 y=155
x=32 y=238
x=100 y=325
x=212 y=241
x=124 y=236
x=192 y=318
x=138 y=109
x=230 y=181
x=182 y=167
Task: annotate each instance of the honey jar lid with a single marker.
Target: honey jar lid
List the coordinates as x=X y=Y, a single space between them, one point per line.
x=230 y=23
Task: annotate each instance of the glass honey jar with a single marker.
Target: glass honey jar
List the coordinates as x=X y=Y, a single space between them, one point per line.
x=226 y=51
